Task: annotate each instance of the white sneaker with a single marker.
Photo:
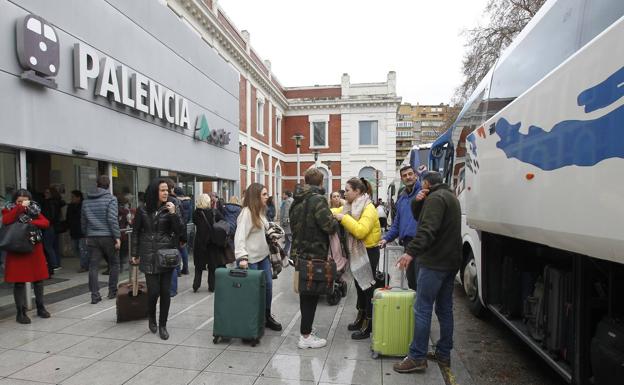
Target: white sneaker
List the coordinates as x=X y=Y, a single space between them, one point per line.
x=312 y=342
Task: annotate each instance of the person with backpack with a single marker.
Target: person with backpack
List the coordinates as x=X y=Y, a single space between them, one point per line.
x=186 y=210
x=208 y=255
x=251 y=248
x=230 y=212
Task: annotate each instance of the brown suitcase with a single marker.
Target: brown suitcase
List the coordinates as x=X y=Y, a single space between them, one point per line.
x=132 y=298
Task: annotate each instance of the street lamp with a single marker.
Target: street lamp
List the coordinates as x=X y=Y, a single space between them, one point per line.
x=298 y=138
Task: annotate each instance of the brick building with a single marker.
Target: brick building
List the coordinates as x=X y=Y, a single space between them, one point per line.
x=348 y=129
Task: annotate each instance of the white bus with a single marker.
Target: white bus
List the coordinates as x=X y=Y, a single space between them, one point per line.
x=536 y=158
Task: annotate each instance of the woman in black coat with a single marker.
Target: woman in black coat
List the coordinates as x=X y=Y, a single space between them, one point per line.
x=206 y=253
x=157 y=226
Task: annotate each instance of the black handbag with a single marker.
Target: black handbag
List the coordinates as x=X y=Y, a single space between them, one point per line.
x=168 y=258
x=19 y=237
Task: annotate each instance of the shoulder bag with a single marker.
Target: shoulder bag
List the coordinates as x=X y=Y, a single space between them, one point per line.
x=19 y=237
x=166 y=258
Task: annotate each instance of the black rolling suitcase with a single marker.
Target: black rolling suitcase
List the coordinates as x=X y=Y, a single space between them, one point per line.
x=607 y=352
x=132 y=295
x=558 y=294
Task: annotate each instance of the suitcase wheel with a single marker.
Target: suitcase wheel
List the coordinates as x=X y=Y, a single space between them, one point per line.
x=255 y=342
x=334 y=298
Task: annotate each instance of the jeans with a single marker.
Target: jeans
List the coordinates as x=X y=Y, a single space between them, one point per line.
x=49 y=245
x=265 y=265
x=80 y=249
x=185 y=258
x=287 y=244
x=307 y=305
x=433 y=287
x=102 y=247
x=173 y=287
x=159 y=285
x=365 y=297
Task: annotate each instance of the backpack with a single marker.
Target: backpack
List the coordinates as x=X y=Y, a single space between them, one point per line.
x=221 y=231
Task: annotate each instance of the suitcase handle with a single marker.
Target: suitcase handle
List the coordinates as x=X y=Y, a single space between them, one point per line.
x=386 y=271
x=238 y=272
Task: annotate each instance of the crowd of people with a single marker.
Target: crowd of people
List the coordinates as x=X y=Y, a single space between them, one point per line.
x=426 y=221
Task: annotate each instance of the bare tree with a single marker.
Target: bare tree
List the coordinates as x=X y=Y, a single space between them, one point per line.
x=485 y=43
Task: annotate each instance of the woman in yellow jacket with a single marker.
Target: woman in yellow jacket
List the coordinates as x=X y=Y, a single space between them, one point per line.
x=359 y=217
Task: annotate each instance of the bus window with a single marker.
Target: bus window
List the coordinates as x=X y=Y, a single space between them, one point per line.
x=537 y=51
x=597 y=16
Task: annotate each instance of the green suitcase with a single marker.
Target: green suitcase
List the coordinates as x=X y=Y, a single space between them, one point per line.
x=239 y=304
x=393 y=318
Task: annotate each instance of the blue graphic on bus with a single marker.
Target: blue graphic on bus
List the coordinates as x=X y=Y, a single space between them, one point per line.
x=571 y=142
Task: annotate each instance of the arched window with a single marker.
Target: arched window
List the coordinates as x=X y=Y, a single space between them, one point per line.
x=277 y=190
x=326 y=181
x=369 y=174
x=259 y=170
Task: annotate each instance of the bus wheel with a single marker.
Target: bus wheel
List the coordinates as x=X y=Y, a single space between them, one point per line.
x=471 y=286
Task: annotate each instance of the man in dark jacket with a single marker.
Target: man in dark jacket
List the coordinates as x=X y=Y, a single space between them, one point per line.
x=74 y=212
x=437 y=244
x=311 y=222
x=186 y=211
x=101 y=227
x=404 y=224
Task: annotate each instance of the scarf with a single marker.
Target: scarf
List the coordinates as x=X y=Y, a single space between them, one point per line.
x=359 y=265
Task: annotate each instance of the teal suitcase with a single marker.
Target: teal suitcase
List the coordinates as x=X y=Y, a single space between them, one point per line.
x=393 y=318
x=239 y=304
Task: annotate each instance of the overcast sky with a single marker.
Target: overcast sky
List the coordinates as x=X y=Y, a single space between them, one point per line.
x=314 y=41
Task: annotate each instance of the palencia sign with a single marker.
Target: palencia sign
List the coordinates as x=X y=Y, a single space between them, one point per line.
x=203 y=132
x=127 y=87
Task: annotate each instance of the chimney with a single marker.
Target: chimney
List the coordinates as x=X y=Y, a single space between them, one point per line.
x=392 y=83
x=246 y=38
x=346 y=84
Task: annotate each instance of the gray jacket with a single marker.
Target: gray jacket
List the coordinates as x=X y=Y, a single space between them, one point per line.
x=284 y=215
x=99 y=215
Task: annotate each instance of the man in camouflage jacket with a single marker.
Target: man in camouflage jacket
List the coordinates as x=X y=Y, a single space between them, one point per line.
x=311 y=222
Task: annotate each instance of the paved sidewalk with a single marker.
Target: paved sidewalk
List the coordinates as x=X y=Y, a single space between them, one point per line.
x=82 y=344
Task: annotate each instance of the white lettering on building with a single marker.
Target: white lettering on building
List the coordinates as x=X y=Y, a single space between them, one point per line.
x=133 y=89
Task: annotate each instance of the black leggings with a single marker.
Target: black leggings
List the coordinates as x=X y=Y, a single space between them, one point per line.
x=365 y=297
x=307 y=305
x=158 y=285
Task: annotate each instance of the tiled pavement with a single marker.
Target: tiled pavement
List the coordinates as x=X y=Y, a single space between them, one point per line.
x=82 y=344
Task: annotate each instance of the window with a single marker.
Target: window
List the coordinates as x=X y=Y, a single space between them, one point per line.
x=260 y=117
x=319 y=134
x=259 y=170
x=278 y=130
x=368 y=133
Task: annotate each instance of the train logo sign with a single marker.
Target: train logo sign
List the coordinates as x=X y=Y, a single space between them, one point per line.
x=38 y=50
x=213 y=136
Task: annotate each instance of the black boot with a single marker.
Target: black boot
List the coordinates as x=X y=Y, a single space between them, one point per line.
x=19 y=295
x=152 y=324
x=41 y=310
x=271 y=323
x=162 y=331
x=357 y=324
x=365 y=331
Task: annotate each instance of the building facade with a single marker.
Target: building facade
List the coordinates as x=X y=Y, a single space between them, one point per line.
x=345 y=129
x=116 y=88
x=419 y=124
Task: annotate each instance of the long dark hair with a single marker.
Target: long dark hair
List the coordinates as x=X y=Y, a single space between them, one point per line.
x=151 y=194
x=361 y=185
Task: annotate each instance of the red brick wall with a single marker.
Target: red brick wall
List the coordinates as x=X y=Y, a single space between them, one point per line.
x=335 y=134
x=243 y=155
x=314 y=93
x=242 y=102
x=336 y=185
x=290 y=126
x=243 y=179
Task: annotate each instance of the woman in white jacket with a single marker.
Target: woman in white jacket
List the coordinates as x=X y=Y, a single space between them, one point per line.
x=251 y=248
